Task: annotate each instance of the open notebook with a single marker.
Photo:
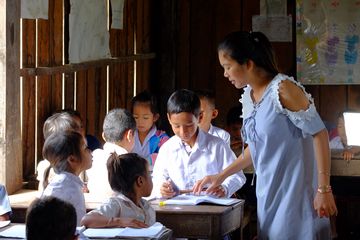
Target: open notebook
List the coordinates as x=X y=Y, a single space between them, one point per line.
x=352 y=128
x=190 y=199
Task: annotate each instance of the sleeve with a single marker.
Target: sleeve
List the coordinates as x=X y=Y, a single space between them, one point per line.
x=235 y=181
x=307 y=120
x=110 y=208
x=159 y=172
x=4 y=201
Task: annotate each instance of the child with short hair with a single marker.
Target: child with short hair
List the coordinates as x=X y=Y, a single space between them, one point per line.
x=68 y=155
x=118 y=132
x=51 y=218
x=130 y=178
x=58 y=122
x=209 y=112
x=5 y=208
x=148 y=139
x=192 y=153
x=233 y=126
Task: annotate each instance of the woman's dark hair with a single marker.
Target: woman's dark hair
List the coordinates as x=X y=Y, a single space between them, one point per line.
x=50 y=218
x=243 y=46
x=147 y=98
x=184 y=100
x=123 y=170
x=58 y=147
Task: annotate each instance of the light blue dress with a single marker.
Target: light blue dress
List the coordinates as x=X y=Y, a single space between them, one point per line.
x=281 y=147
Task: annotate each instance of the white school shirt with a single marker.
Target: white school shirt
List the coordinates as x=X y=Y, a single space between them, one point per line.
x=68 y=187
x=219 y=132
x=121 y=206
x=98 y=183
x=209 y=155
x=4 y=201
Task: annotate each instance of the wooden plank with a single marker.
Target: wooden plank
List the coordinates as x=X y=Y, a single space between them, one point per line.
x=100 y=77
x=130 y=36
x=28 y=98
x=331 y=106
x=81 y=92
x=353 y=97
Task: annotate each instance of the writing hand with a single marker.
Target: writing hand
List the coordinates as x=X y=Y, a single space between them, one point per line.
x=166 y=190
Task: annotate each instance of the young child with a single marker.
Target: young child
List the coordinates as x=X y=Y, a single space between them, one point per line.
x=58 y=122
x=118 y=132
x=192 y=153
x=129 y=177
x=338 y=140
x=50 y=218
x=209 y=112
x=5 y=208
x=148 y=139
x=68 y=155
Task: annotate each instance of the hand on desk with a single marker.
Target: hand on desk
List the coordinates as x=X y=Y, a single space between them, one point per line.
x=214 y=189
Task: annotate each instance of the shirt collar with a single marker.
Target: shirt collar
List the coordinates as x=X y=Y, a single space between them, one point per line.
x=112 y=147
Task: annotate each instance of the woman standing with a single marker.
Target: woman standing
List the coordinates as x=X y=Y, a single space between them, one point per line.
x=287 y=143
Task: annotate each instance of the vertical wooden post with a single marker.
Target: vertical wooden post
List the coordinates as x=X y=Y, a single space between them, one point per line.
x=10 y=131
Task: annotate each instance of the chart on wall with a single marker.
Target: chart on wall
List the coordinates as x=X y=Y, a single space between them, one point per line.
x=328 y=41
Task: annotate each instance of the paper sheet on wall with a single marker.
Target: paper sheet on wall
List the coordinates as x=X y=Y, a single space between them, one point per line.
x=276 y=28
x=117 y=20
x=273 y=7
x=89 y=36
x=32 y=9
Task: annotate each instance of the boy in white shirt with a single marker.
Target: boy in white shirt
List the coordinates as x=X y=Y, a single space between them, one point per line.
x=209 y=112
x=192 y=153
x=118 y=132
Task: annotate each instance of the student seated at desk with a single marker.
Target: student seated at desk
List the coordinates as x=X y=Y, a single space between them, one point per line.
x=191 y=154
x=118 y=132
x=51 y=218
x=209 y=112
x=338 y=140
x=5 y=208
x=130 y=179
x=69 y=156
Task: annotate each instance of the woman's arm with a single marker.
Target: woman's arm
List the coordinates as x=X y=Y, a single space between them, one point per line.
x=216 y=180
x=96 y=220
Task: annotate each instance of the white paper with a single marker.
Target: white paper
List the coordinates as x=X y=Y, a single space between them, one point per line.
x=117 y=7
x=273 y=7
x=352 y=128
x=190 y=199
x=4 y=223
x=89 y=36
x=33 y=9
x=276 y=28
x=14 y=231
x=151 y=231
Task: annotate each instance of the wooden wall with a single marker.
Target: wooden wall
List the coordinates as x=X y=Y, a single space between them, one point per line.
x=86 y=86
x=187 y=38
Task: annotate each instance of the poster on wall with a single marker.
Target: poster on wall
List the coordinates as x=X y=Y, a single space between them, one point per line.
x=327 y=41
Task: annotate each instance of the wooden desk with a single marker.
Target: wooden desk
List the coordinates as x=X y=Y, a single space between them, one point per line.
x=200 y=221
x=340 y=167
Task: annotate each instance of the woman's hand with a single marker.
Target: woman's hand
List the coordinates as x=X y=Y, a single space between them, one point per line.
x=213 y=180
x=324 y=204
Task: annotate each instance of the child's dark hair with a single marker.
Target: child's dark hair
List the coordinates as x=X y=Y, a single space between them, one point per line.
x=60 y=121
x=123 y=170
x=58 y=147
x=233 y=115
x=207 y=95
x=243 y=46
x=145 y=97
x=116 y=123
x=50 y=218
x=183 y=100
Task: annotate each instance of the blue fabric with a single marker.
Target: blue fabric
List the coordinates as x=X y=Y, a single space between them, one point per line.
x=281 y=147
x=4 y=201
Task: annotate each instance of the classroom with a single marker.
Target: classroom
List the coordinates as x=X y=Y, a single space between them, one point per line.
x=95 y=56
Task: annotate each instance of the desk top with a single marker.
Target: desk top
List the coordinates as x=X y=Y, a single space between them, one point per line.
x=340 y=167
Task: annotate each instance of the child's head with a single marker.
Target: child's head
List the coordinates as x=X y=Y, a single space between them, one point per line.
x=61 y=121
x=208 y=110
x=77 y=118
x=119 y=127
x=129 y=174
x=145 y=111
x=183 y=111
x=234 y=123
x=50 y=218
x=67 y=151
